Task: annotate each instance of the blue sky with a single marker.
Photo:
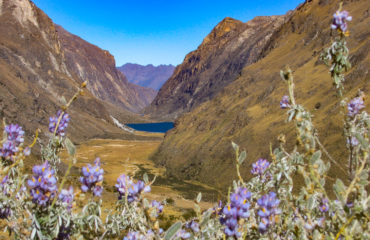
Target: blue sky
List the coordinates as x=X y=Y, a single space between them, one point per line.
x=153 y=32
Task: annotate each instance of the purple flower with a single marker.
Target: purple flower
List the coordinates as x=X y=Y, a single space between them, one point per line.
x=63 y=124
x=43 y=184
x=158 y=206
x=339 y=21
x=324 y=207
x=5 y=212
x=15 y=133
x=182 y=234
x=259 y=167
x=268 y=209
x=125 y=186
x=193 y=225
x=352 y=141
x=27 y=151
x=354 y=106
x=134 y=236
x=15 y=137
x=285 y=102
x=233 y=212
x=66 y=196
x=92 y=178
x=3 y=185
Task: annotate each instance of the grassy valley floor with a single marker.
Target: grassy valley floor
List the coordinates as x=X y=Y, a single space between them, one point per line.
x=131 y=157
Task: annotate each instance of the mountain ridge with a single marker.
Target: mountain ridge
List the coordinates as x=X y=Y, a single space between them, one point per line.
x=34 y=78
x=149 y=76
x=247 y=110
x=216 y=62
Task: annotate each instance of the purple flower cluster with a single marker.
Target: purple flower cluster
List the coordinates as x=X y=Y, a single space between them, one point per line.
x=43 y=184
x=340 y=21
x=3 y=185
x=182 y=234
x=126 y=186
x=134 y=236
x=259 y=167
x=269 y=209
x=5 y=212
x=158 y=206
x=324 y=207
x=354 y=106
x=53 y=121
x=233 y=212
x=193 y=225
x=15 y=137
x=285 y=102
x=66 y=196
x=352 y=141
x=92 y=178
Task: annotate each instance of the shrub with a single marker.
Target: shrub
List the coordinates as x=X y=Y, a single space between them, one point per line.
x=35 y=207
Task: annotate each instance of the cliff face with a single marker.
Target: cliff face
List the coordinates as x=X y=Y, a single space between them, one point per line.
x=35 y=74
x=147 y=76
x=247 y=110
x=88 y=62
x=229 y=47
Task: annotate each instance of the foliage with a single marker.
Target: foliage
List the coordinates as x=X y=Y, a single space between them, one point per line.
x=34 y=207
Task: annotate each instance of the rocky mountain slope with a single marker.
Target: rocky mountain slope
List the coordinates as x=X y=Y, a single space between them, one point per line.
x=35 y=73
x=229 y=47
x=86 y=61
x=147 y=76
x=247 y=110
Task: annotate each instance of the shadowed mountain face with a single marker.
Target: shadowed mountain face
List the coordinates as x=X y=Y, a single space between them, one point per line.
x=247 y=110
x=217 y=62
x=36 y=71
x=88 y=62
x=147 y=76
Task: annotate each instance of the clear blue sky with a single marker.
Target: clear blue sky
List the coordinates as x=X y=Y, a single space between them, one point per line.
x=153 y=32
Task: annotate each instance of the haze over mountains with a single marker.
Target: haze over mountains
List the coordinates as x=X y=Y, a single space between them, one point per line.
x=147 y=76
x=246 y=108
x=41 y=62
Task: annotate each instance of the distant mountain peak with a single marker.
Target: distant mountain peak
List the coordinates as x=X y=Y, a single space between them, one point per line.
x=227 y=25
x=147 y=76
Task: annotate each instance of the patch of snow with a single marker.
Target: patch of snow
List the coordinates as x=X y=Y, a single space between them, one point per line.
x=122 y=126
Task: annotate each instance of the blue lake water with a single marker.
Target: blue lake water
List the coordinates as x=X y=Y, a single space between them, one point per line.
x=160 y=127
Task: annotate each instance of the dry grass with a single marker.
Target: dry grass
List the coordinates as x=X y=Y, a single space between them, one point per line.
x=130 y=157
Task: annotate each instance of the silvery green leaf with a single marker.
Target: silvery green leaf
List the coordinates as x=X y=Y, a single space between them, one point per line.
x=70 y=147
x=33 y=234
x=197 y=208
x=199 y=197
x=173 y=230
x=291 y=115
x=206 y=217
x=145 y=178
x=146 y=203
x=235 y=146
x=242 y=157
x=63 y=100
x=363 y=142
x=316 y=156
x=339 y=189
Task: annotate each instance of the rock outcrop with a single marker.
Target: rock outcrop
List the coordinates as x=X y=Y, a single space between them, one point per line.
x=247 y=110
x=217 y=62
x=147 y=76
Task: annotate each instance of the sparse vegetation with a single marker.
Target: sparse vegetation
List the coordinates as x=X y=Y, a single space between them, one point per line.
x=42 y=207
